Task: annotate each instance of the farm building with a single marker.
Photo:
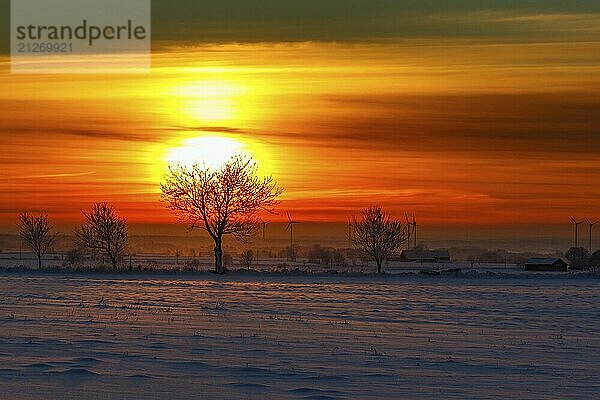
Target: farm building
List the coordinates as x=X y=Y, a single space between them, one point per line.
x=546 y=264
x=422 y=255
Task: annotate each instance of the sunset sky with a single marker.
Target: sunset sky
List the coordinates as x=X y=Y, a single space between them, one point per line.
x=482 y=112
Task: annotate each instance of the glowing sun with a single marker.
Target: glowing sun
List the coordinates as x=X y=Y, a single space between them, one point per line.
x=210 y=151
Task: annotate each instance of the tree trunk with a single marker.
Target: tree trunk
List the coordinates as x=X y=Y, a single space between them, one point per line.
x=39 y=262
x=378 y=266
x=218 y=257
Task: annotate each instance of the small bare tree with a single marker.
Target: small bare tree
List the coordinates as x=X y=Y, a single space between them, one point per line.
x=246 y=259
x=104 y=232
x=377 y=235
x=36 y=233
x=223 y=201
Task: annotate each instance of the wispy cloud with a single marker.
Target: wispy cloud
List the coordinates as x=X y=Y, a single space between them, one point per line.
x=53 y=176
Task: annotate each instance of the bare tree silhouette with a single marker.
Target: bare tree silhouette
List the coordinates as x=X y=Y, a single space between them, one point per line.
x=377 y=235
x=578 y=257
x=36 y=233
x=595 y=261
x=223 y=201
x=104 y=232
x=246 y=259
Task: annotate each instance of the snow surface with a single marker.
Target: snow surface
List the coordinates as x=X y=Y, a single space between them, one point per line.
x=298 y=337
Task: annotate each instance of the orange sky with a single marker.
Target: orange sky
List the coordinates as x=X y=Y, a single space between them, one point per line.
x=455 y=130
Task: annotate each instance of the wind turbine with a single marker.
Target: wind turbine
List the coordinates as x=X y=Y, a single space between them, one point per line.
x=591 y=225
x=408 y=228
x=264 y=225
x=290 y=226
x=349 y=233
x=414 y=224
x=576 y=228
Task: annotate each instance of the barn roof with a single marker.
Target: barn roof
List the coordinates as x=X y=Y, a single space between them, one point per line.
x=543 y=261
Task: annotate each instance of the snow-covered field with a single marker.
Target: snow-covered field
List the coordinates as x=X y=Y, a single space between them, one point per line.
x=298 y=337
